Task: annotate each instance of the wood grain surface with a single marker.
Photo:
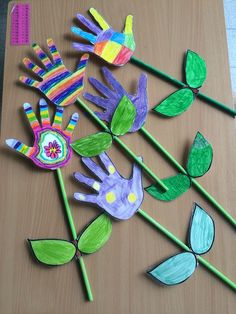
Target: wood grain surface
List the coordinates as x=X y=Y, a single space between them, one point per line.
x=31 y=206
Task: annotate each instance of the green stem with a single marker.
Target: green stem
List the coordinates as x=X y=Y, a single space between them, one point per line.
x=74 y=233
x=178 y=83
x=123 y=145
x=183 y=246
x=158 y=146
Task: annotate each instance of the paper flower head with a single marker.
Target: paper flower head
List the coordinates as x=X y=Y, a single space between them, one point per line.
x=113 y=47
x=112 y=96
x=118 y=196
x=51 y=147
x=58 y=84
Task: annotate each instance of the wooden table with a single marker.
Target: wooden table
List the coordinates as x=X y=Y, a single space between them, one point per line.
x=31 y=206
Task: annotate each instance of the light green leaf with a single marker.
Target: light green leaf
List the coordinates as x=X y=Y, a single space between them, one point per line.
x=95 y=235
x=176 y=185
x=195 y=69
x=176 y=103
x=53 y=252
x=123 y=117
x=200 y=157
x=92 y=145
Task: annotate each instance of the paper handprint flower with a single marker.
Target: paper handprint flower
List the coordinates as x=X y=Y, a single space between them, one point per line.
x=113 y=96
x=118 y=196
x=51 y=149
x=113 y=47
x=58 y=84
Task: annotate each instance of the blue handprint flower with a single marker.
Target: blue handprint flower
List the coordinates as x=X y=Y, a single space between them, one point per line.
x=113 y=96
x=116 y=195
x=113 y=47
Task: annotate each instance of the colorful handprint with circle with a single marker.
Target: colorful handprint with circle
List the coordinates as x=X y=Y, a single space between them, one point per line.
x=116 y=195
x=113 y=47
x=112 y=96
x=58 y=84
x=51 y=149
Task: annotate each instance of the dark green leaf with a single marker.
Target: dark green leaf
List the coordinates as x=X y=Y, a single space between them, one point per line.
x=92 y=145
x=195 y=70
x=176 y=185
x=200 y=157
x=176 y=103
x=95 y=235
x=123 y=117
x=53 y=252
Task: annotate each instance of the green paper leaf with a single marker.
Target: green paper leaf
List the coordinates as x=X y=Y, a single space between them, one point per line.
x=176 y=103
x=123 y=117
x=195 y=70
x=53 y=252
x=176 y=185
x=95 y=235
x=92 y=145
x=200 y=157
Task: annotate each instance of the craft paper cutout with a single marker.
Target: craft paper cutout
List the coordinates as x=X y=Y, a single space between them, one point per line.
x=51 y=148
x=200 y=157
x=180 y=101
x=198 y=163
x=112 y=96
x=201 y=231
x=180 y=267
x=95 y=144
x=95 y=234
x=55 y=252
x=116 y=195
x=176 y=185
x=58 y=84
x=111 y=46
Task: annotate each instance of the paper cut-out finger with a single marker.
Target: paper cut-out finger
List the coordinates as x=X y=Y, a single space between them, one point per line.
x=142 y=86
x=108 y=164
x=31 y=116
x=42 y=56
x=99 y=19
x=97 y=100
x=87 y=198
x=33 y=67
x=101 y=88
x=83 y=62
x=20 y=147
x=94 y=168
x=90 y=25
x=83 y=47
x=54 y=52
x=28 y=81
x=113 y=82
x=87 y=36
x=128 y=25
x=72 y=124
x=58 y=118
x=95 y=185
x=44 y=114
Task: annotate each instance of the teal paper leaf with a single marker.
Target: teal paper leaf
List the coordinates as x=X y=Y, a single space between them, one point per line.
x=175 y=269
x=176 y=103
x=123 y=117
x=195 y=69
x=53 y=252
x=201 y=231
x=95 y=235
x=176 y=185
x=200 y=157
x=92 y=145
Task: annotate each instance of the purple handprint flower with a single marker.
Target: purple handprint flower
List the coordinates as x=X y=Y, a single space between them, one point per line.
x=51 y=148
x=116 y=195
x=112 y=96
